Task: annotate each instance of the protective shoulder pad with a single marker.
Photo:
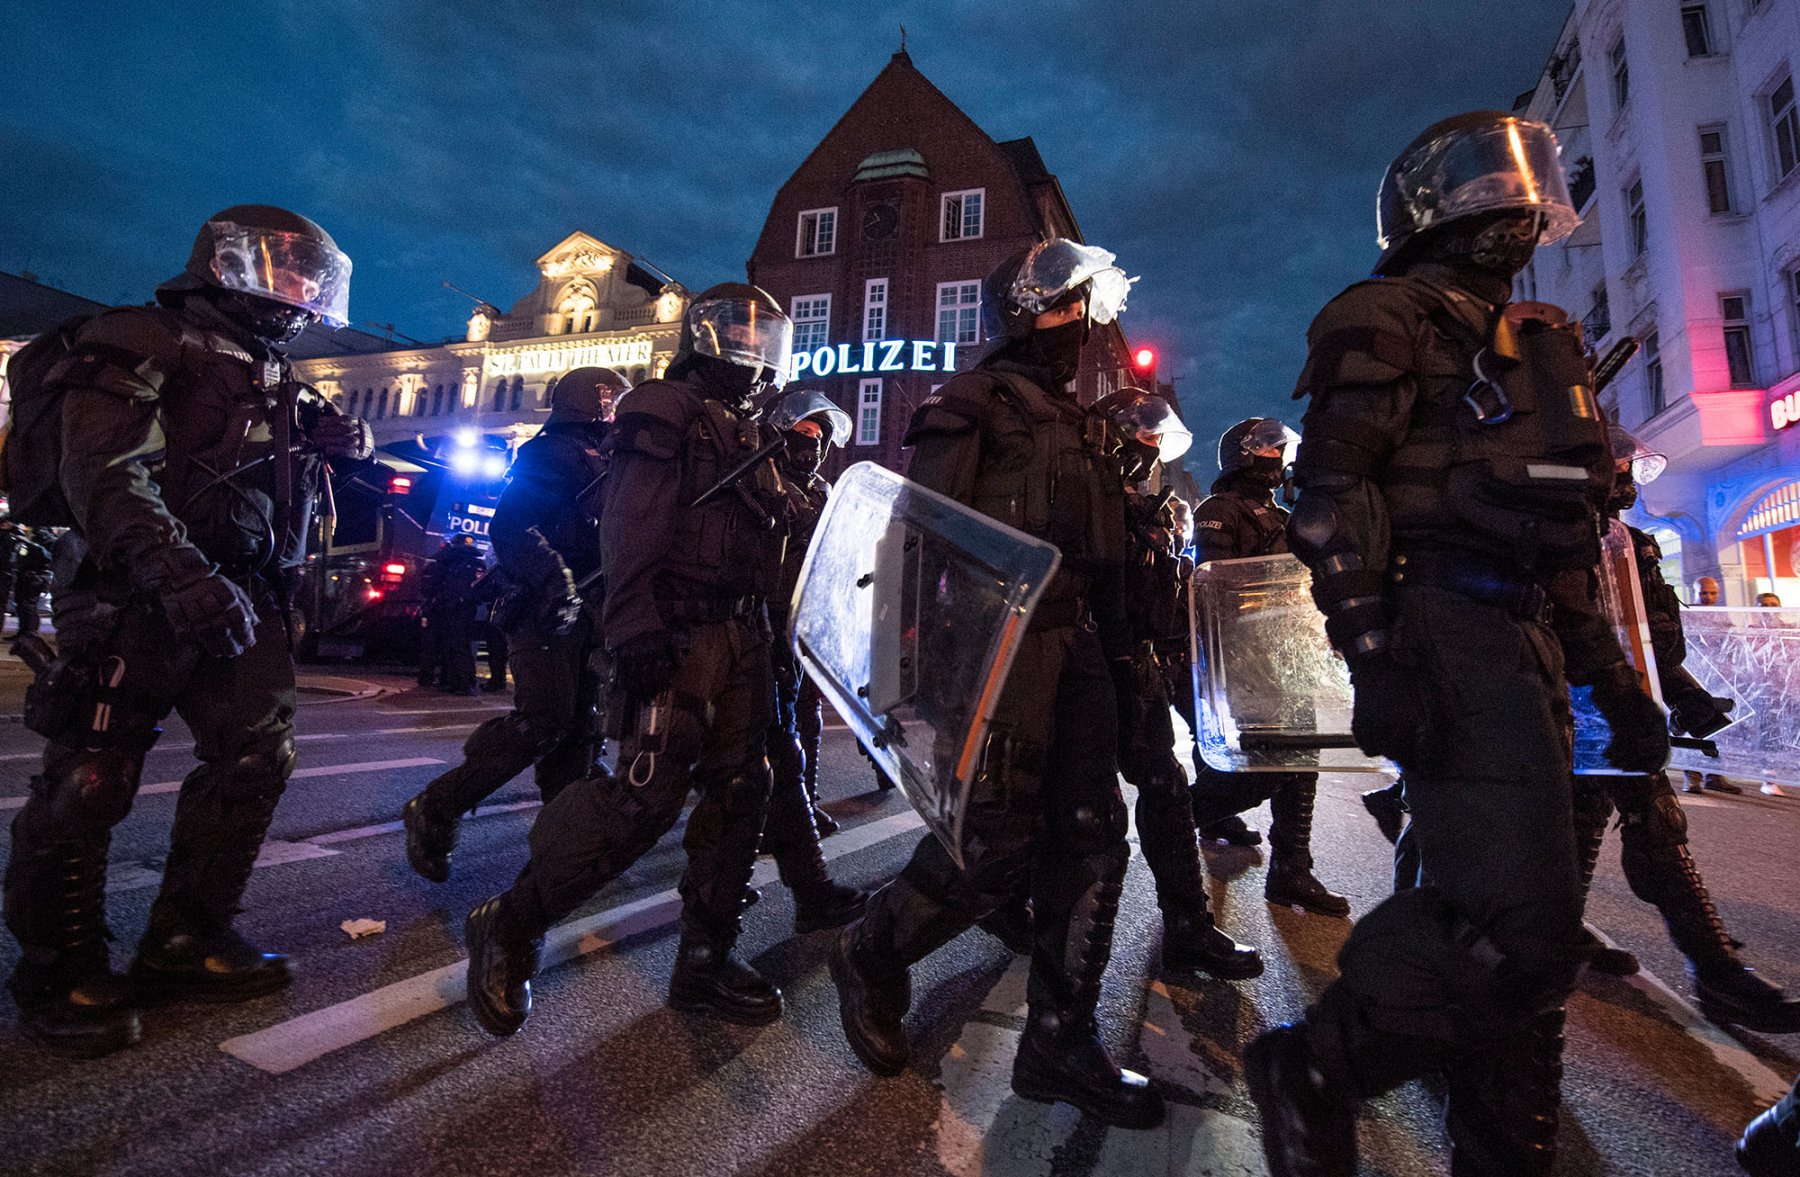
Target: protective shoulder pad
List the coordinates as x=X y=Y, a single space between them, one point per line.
x=1216 y=513
x=653 y=419
x=959 y=406
x=130 y=350
x=1366 y=336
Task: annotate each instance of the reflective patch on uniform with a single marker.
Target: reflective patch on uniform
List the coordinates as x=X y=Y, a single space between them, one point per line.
x=1213 y=524
x=1559 y=473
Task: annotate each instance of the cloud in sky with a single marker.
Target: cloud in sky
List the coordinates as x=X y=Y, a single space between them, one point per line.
x=1228 y=153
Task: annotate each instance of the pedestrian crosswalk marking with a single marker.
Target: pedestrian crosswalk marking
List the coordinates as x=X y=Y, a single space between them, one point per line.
x=292 y=1044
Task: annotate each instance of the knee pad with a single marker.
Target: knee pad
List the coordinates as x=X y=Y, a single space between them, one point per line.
x=1657 y=823
x=746 y=793
x=91 y=791
x=514 y=732
x=267 y=758
x=1096 y=827
x=1593 y=807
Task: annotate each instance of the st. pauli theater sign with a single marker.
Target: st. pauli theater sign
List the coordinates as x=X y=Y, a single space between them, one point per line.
x=879 y=355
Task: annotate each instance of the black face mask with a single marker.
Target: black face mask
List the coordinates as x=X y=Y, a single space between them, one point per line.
x=1624 y=494
x=1265 y=470
x=735 y=384
x=272 y=322
x=1501 y=247
x=1058 y=348
x=804 y=454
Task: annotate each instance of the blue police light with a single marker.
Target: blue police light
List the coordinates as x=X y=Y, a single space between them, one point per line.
x=493 y=466
x=466 y=463
x=467 y=438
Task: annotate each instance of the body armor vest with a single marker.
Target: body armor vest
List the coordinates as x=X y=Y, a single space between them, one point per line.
x=1070 y=492
x=572 y=463
x=732 y=546
x=1506 y=437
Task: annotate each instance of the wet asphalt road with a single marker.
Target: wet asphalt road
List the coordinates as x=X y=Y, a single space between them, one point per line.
x=368 y=1065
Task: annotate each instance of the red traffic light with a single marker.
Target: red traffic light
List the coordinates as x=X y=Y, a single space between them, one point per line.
x=1144 y=359
x=399 y=485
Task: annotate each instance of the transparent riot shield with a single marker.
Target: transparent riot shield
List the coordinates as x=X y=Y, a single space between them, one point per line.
x=1622 y=603
x=1270 y=694
x=1751 y=655
x=907 y=615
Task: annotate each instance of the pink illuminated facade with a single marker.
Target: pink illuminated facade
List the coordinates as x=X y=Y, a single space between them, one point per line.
x=1681 y=136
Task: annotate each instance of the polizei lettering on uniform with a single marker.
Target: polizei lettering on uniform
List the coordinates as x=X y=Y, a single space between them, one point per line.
x=879 y=355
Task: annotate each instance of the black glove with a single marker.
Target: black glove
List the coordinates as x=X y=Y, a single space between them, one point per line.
x=212 y=612
x=338 y=436
x=1390 y=715
x=645 y=664
x=1700 y=713
x=1640 y=733
x=561 y=606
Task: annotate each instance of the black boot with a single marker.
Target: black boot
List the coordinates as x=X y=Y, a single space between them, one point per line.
x=789 y=835
x=1290 y=880
x=1193 y=943
x=826 y=824
x=1614 y=962
x=1230 y=831
x=1308 y=1127
x=1504 y=1107
x=199 y=959
x=503 y=958
x=1388 y=807
x=872 y=1000
x=1732 y=993
x=70 y=1001
x=829 y=905
x=1770 y=1146
x=429 y=841
x=1729 y=991
x=1065 y=1062
x=711 y=977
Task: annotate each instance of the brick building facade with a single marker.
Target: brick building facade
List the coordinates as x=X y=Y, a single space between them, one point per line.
x=879 y=241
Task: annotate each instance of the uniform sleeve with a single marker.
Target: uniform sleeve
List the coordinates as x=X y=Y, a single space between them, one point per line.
x=1360 y=398
x=1216 y=530
x=640 y=507
x=1591 y=649
x=528 y=502
x=945 y=436
x=112 y=383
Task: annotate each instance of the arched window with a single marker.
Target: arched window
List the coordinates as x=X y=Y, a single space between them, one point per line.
x=518 y=392
x=499 y=394
x=437 y=401
x=350 y=403
x=577 y=308
x=381 y=404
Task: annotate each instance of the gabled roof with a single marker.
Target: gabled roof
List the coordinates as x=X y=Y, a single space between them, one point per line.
x=28 y=307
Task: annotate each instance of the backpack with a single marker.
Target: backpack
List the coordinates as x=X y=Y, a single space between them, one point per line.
x=31 y=447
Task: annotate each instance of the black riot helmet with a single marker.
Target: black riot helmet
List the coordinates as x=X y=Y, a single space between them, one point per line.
x=810 y=423
x=1634 y=464
x=737 y=338
x=1048 y=275
x=269 y=270
x=1489 y=182
x=1257 y=449
x=1152 y=430
x=584 y=396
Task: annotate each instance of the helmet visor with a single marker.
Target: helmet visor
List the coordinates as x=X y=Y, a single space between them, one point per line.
x=1270 y=436
x=809 y=404
x=745 y=332
x=291 y=268
x=1151 y=420
x=1054 y=268
x=1511 y=165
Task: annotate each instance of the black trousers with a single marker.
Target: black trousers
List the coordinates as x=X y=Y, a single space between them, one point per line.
x=1046 y=809
x=705 y=733
x=241 y=711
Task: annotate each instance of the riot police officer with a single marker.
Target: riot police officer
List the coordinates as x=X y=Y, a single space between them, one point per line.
x=1452 y=470
x=807 y=422
x=1156 y=572
x=546 y=538
x=1009 y=440
x=691 y=540
x=190 y=458
x=1241 y=518
x=1658 y=864
x=449 y=615
x=31 y=578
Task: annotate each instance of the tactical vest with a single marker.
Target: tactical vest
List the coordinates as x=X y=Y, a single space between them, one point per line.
x=573 y=463
x=732 y=546
x=1070 y=493
x=1506 y=437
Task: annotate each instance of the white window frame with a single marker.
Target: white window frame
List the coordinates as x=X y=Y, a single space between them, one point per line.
x=1740 y=327
x=1722 y=158
x=818 y=214
x=868 y=411
x=1637 y=219
x=961 y=197
x=1791 y=278
x=958 y=307
x=875 y=309
x=1656 y=389
x=1621 y=73
x=1710 y=46
x=1787 y=120
x=806 y=315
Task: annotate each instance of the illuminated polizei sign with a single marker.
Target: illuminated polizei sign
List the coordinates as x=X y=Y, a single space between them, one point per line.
x=880 y=355
x=624 y=353
x=1785 y=410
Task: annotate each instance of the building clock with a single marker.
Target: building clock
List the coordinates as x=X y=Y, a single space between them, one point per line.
x=880 y=222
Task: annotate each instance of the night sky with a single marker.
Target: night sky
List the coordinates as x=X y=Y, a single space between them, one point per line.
x=1229 y=153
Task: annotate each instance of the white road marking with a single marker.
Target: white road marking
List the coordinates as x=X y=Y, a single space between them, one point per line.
x=299 y=774
x=430 y=727
x=187 y=749
x=453 y=710
x=1727 y=1051
x=288 y=1045
x=394 y=827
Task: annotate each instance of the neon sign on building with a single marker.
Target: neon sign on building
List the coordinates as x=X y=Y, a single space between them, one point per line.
x=1785 y=410
x=881 y=355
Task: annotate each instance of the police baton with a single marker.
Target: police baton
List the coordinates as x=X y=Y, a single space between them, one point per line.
x=737 y=472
